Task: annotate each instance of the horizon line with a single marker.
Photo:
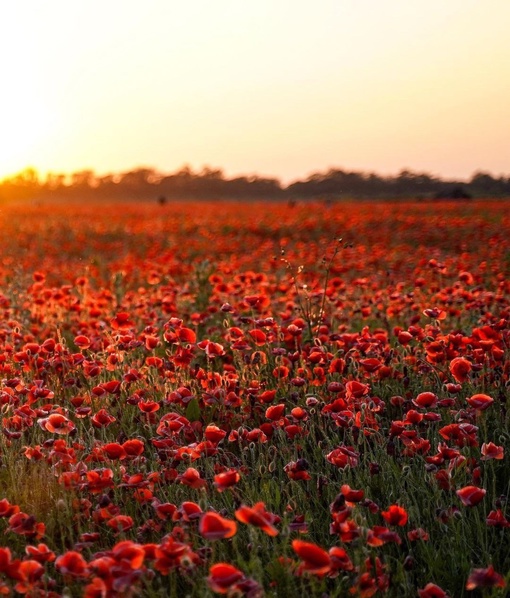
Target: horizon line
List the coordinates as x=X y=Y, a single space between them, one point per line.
x=41 y=176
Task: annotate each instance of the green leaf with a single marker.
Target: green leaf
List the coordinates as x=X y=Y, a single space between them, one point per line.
x=193 y=411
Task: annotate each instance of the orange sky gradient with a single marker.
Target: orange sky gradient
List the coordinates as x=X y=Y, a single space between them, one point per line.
x=275 y=87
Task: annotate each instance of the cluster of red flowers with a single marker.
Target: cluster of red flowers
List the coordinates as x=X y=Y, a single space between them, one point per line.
x=161 y=374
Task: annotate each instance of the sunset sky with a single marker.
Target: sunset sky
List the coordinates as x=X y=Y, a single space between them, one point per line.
x=275 y=87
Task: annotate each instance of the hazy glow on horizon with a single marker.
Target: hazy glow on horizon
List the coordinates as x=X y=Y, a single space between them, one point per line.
x=269 y=86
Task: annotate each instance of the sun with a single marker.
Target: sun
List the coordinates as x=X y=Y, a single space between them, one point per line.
x=24 y=125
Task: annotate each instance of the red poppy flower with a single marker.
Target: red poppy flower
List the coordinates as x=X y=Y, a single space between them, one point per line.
x=29 y=572
x=395 y=515
x=259 y=337
x=256 y=300
x=5 y=560
x=222 y=577
x=370 y=365
x=40 y=553
x=214 y=527
x=112 y=386
x=188 y=511
x=426 y=400
x=130 y=553
x=299 y=414
x=340 y=559
x=267 y=396
x=151 y=342
x=171 y=554
x=256 y=435
x=6 y=509
x=417 y=534
x=380 y=535
x=136 y=480
x=142 y=495
x=133 y=448
x=120 y=523
x=347 y=529
x=343 y=456
x=366 y=586
x=461 y=434
x=281 y=372
x=154 y=362
x=435 y=312
x=275 y=412
x=404 y=337
x=148 y=406
x=452 y=389
x=102 y=566
x=460 y=368
x=356 y=390
x=480 y=401
x=413 y=417
x=485 y=578
x=102 y=419
x=99 y=479
x=113 y=450
x=315 y=559
x=186 y=335
x=73 y=564
x=97 y=588
x=172 y=423
x=497 y=519
x=26 y=525
x=122 y=322
x=57 y=424
x=226 y=479
x=431 y=590
x=211 y=349
x=293 y=430
x=471 y=495
x=350 y=494
x=297 y=470
x=82 y=342
x=491 y=451
x=191 y=477
x=164 y=510
x=258 y=517
x=214 y=434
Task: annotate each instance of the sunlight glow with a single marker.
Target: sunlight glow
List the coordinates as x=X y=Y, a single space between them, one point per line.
x=24 y=130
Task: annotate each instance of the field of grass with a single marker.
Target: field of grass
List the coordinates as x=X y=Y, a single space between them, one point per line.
x=255 y=399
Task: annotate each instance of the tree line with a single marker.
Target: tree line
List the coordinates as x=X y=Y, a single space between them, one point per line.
x=147 y=184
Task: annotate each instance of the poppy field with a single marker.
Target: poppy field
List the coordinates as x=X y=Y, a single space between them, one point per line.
x=263 y=399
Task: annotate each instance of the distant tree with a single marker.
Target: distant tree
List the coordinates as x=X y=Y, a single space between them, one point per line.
x=144 y=184
x=26 y=178
x=54 y=181
x=107 y=179
x=483 y=183
x=211 y=173
x=83 y=178
x=139 y=177
x=23 y=185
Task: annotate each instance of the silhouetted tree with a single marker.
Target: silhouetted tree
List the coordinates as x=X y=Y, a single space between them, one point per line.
x=144 y=184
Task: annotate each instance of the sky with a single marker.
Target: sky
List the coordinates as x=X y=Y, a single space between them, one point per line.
x=277 y=88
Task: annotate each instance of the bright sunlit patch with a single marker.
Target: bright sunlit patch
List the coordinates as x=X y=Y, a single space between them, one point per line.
x=23 y=126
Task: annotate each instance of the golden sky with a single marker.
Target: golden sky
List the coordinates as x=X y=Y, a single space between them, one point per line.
x=275 y=87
